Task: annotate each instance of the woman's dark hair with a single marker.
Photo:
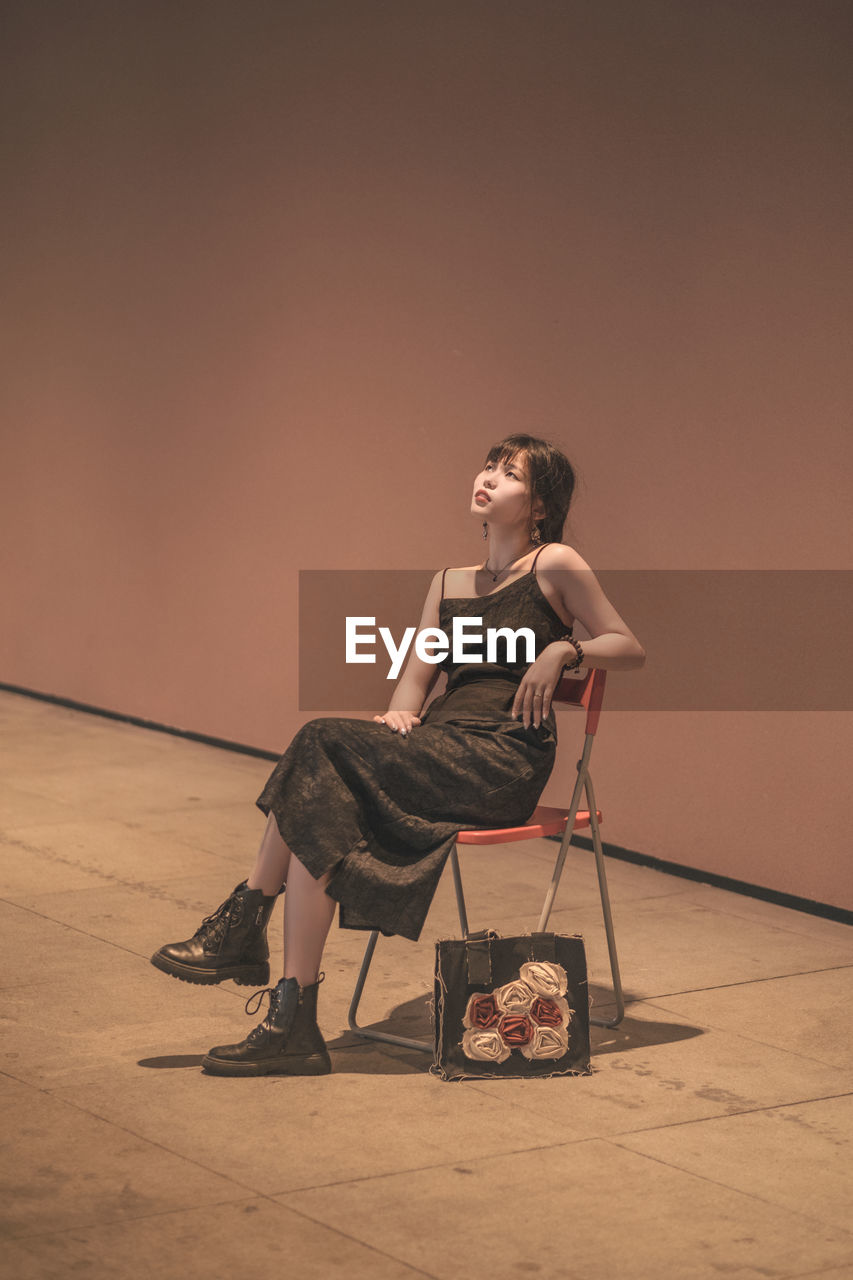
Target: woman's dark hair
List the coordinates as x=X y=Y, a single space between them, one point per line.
x=551 y=478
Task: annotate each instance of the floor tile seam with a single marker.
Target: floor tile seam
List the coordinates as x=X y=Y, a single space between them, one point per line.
x=832 y=1270
x=99 y=1222
x=765 y=1044
x=72 y=928
x=93 y=937
x=808 y=1218
x=105 y=883
x=730 y=1115
x=615 y=899
x=67 y=820
x=47 y=796
x=746 y=982
x=10 y=1075
x=249 y=1199
x=105 y=880
x=787 y=927
x=440 y=1164
x=352 y=1239
x=132 y=1133
x=69 y=1102
x=51 y=981
x=484 y=1092
x=251 y=1193
x=151 y=1142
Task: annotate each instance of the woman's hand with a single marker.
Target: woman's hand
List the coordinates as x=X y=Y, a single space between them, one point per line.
x=533 y=696
x=400 y=722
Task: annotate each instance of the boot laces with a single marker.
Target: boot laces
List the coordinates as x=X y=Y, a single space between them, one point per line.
x=259 y=1032
x=259 y=996
x=214 y=927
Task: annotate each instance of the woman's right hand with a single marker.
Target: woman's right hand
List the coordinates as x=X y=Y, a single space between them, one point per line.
x=401 y=722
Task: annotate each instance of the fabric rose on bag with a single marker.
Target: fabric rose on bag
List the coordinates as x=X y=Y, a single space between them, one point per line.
x=514 y=997
x=484 y=1046
x=516 y=1029
x=531 y=1013
x=482 y=1012
x=547 y=1042
x=545 y=978
x=550 y=1011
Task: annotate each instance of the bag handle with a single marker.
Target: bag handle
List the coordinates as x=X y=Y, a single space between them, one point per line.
x=542 y=946
x=479 y=957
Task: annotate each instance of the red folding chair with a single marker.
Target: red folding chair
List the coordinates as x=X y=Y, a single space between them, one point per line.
x=546 y=820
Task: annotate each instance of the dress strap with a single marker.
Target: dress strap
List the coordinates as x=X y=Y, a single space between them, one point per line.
x=538 y=554
x=442 y=582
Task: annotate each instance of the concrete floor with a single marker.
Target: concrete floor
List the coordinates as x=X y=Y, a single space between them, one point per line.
x=712 y=1139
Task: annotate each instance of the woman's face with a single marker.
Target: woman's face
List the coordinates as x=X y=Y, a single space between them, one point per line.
x=502 y=492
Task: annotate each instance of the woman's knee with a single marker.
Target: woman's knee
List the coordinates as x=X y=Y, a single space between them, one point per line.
x=324 y=729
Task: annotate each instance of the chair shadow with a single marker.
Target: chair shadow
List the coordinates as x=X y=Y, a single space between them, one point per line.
x=413 y=1019
x=354 y=1055
x=630 y=1033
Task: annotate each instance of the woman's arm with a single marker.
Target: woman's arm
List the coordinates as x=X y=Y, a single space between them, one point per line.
x=612 y=643
x=410 y=692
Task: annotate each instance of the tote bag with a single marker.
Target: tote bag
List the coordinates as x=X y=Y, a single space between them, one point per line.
x=511 y=1007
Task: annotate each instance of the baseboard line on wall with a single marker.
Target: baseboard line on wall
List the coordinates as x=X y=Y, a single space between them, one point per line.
x=620 y=854
x=225 y=743
x=779 y=899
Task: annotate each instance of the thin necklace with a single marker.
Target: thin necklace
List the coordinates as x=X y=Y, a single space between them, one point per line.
x=506 y=566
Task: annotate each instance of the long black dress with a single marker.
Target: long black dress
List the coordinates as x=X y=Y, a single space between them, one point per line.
x=381 y=811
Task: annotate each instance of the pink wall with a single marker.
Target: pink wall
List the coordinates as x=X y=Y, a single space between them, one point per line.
x=278 y=273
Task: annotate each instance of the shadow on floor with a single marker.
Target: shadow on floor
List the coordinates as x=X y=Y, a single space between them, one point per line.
x=413 y=1019
x=349 y=1057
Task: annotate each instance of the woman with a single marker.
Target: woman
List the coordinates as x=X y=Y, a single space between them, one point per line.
x=364 y=813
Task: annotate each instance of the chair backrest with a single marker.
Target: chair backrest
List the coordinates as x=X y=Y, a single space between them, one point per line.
x=588 y=692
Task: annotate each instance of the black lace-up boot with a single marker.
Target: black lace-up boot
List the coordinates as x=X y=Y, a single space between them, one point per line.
x=230 y=943
x=287 y=1043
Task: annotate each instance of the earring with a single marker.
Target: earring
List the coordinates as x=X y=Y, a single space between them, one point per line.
x=535 y=536
x=485 y=529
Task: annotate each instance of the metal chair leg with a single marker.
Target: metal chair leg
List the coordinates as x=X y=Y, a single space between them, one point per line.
x=584 y=782
x=608 y=917
x=460 y=896
x=386 y=1036
x=366 y=1032
x=567 y=836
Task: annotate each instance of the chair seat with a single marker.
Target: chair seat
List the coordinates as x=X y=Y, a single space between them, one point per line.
x=544 y=821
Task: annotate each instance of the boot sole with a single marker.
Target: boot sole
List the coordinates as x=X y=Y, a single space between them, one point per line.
x=315 y=1065
x=256 y=975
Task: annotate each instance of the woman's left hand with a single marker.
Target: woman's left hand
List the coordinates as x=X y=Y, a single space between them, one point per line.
x=533 y=696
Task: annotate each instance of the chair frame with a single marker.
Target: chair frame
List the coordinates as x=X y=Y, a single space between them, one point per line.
x=587 y=692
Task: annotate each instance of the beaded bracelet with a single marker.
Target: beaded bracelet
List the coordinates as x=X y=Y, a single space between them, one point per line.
x=577 y=662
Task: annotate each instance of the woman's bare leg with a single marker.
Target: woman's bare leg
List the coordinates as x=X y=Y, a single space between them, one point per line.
x=273 y=861
x=308 y=909
x=308 y=914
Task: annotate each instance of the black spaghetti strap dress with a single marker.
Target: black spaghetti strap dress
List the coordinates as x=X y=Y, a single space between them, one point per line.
x=381 y=811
